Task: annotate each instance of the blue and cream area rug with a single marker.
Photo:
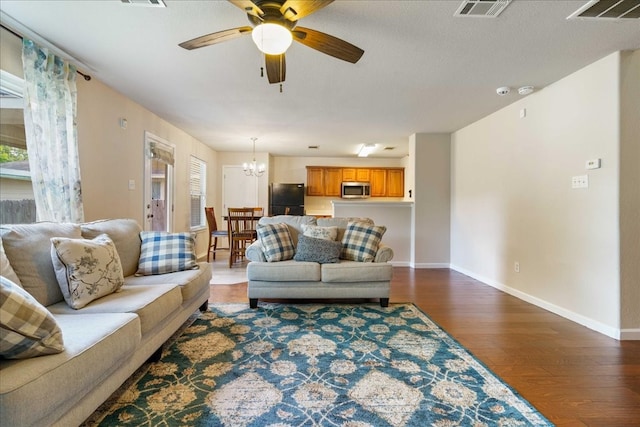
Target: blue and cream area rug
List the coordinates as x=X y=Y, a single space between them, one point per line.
x=283 y=365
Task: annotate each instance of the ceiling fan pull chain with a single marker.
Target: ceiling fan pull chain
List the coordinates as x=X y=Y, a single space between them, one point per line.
x=280 y=87
x=261 y=71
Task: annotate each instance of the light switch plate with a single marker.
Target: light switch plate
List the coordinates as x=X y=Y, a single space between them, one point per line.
x=580 y=181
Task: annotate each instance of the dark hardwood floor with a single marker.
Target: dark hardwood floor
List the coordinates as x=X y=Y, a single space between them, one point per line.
x=571 y=374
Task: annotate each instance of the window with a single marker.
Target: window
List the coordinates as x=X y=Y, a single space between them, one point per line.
x=197 y=190
x=17 y=203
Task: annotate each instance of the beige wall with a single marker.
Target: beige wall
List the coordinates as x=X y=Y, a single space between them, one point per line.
x=630 y=191
x=432 y=194
x=512 y=199
x=111 y=156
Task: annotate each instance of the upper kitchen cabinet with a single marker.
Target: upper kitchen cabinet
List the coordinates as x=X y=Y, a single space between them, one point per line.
x=327 y=180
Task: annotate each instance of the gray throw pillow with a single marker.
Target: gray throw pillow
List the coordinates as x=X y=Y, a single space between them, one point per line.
x=313 y=249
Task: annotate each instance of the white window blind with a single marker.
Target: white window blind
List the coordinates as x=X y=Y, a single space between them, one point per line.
x=197 y=190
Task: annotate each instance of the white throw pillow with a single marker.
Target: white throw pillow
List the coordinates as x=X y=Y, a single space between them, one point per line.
x=86 y=269
x=327 y=233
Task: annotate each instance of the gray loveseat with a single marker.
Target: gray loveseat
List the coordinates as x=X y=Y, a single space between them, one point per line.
x=105 y=341
x=291 y=279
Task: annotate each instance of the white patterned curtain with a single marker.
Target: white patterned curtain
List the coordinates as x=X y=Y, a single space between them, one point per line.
x=50 y=127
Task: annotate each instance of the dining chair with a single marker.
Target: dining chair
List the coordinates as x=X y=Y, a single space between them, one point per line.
x=214 y=233
x=241 y=232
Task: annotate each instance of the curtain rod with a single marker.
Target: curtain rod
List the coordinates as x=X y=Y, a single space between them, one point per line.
x=87 y=77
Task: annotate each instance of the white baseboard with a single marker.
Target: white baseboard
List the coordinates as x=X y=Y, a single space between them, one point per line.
x=400 y=263
x=431 y=265
x=560 y=311
x=630 y=334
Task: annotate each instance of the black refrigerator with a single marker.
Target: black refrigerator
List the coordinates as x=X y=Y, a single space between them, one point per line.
x=286 y=199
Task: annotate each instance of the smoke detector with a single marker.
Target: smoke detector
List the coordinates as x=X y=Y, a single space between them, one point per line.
x=504 y=90
x=525 y=90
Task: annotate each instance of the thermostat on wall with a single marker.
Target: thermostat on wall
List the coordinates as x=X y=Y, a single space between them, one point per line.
x=593 y=164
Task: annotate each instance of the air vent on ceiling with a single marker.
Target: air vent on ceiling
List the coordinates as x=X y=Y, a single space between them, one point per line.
x=481 y=8
x=608 y=10
x=146 y=3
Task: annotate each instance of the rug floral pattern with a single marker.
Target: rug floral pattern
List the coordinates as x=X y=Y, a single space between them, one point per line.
x=318 y=365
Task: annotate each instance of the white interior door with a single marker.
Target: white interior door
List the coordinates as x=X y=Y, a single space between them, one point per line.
x=158 y=184
x=238 y=190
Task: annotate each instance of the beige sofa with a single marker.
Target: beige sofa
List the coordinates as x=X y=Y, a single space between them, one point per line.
x=293 y=279
x=105 y=341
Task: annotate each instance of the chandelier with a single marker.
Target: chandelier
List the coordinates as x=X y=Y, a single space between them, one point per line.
x=253 y=169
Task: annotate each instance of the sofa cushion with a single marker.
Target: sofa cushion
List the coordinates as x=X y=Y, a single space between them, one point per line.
x=125 y=234
x=328 y=233
x=162 y=252
x=5 y=267
x=28 y=247
x=38 y=391
x=276 y=242
x=28 y=329
x=152 y=303
x=294 y=223
x=317 y=250
x=86 y=269
x=361 y=241
x=285 y=271
x=191 y=282
x=355 y=271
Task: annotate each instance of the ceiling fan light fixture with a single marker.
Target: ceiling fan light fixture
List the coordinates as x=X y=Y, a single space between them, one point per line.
x=272 y=39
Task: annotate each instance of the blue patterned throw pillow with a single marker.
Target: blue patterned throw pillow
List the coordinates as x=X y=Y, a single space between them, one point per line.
x=162 y=253
x=318 y=250
x=361 y=241
x=276 y=242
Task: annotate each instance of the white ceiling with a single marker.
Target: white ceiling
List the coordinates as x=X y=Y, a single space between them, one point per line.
x=423 y=69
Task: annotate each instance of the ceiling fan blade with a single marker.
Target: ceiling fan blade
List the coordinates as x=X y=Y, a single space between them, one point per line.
x=327 y=44
x=213 y=38
x=293 y=10
x=248 y=7
x=276 y=68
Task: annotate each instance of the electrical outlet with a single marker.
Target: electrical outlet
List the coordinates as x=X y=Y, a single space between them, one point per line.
x=516 y=267
x=580 y=181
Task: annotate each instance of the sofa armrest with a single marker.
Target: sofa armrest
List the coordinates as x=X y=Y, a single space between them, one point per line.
x=254 y=252
x=384 y=254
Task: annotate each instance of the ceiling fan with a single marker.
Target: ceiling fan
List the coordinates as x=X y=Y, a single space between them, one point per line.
x=280 y=17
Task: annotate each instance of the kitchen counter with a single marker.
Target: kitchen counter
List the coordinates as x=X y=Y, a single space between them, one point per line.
x=395 y=215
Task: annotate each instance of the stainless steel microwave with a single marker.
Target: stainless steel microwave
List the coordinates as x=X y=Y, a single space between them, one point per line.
x=356 y=190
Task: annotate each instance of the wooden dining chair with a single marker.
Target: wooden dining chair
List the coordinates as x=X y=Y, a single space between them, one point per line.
x=214 y=233
x=241 y=232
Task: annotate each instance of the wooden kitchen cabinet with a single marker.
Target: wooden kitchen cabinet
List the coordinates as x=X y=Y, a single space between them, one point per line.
x=378 y=182
x=333 y=182
x=395 y=183
x=315 y=183
x=356 y=174
x=327 y=180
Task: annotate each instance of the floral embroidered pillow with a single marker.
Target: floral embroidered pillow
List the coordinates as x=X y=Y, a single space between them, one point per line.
x=86 y=269
x=327 y=233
